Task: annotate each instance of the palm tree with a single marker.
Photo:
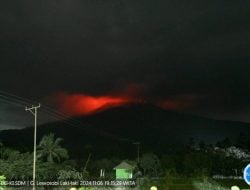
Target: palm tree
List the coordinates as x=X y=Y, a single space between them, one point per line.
x=50 y=149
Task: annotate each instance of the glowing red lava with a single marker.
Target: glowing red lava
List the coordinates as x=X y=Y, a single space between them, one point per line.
x=82 y=104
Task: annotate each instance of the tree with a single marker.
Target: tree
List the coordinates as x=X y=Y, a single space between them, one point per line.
x=150 y=164
x=48 y=171
x=18 y=166
x=191 y=143
x=225 y=143
x=72 y=175
x=8 y=153
x=50 y=149
x=197 y=164
x=106 y=164
x=242 y=140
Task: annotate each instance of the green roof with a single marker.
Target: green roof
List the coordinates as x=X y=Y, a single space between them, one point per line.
x=124 y=165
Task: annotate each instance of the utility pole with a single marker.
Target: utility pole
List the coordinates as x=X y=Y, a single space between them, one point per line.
x=138 y=151
x=33 y=110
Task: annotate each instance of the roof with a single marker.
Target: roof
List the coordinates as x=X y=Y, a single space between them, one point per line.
x=124 y=165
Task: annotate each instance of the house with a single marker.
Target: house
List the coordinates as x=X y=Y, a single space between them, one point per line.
x=124 y=171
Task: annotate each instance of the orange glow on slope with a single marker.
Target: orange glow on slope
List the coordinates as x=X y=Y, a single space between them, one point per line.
x=81 y=104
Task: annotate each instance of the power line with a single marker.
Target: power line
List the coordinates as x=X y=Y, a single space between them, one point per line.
x=62 y=117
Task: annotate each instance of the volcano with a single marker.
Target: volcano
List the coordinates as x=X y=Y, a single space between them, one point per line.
x=114 y=131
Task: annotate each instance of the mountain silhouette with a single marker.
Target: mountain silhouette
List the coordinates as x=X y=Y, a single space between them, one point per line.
x=114 y=131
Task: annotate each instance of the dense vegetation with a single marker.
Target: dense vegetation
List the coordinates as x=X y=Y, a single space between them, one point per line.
x=177 y=168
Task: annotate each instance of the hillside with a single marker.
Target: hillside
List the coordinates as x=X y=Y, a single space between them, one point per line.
x=112 y=132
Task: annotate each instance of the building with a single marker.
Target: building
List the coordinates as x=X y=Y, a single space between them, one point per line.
x=124 y=171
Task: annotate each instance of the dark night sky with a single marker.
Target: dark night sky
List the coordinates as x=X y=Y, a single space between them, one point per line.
x=194 y=55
